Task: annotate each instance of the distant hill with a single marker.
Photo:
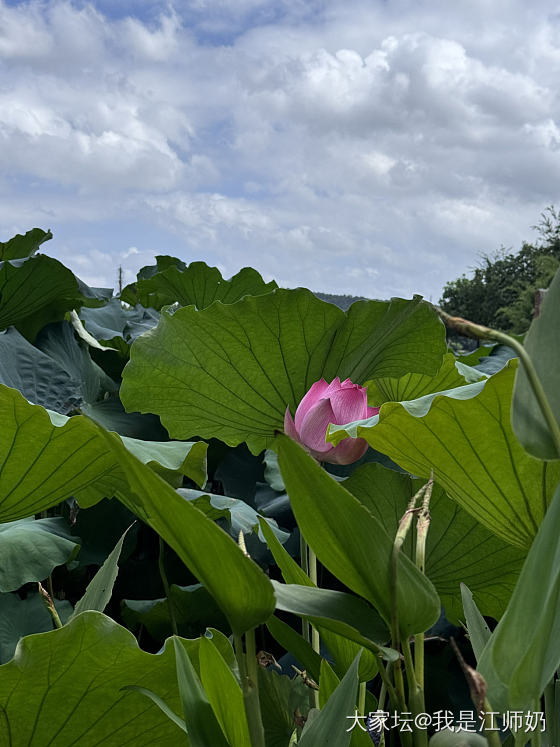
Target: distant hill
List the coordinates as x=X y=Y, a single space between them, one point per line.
x=343 y=302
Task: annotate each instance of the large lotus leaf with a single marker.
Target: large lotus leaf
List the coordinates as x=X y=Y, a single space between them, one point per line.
x=20 y=246
x=239 y=586
x=281 y=698
x=465 y=436
x=542 y=345
x=352 y=543
x=240 y=516
x=230 y=371
x=196 y=284
x=37 y=290
x=30 y=549
x=65 y=687
x=163 y=261
x=116 y=327
x=59 y=342
x=523 y=652
x=413 y=385
x=193 y=608
x=36 y=375
x=111 y=414
x=21 y=617
x=57 y=372
x=459 y=549
x=45 y=458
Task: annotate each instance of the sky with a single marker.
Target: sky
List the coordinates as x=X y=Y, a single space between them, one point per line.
x=375 y=148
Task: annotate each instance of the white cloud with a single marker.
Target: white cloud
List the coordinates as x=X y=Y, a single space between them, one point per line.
x=376 y=149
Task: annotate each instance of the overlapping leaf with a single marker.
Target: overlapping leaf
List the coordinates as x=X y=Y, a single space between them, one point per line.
x=21 y=246
x=45 y=458
x=523 y=652
x=37 y=290
x=452 y=374
x=197 y=284
x=230 y=371
x=541 y=343
x=459 y=549
x=116 y=327
x=30 y=550
x=465 y=436
x=352 y=543
x=65 y=687
x=238 y=585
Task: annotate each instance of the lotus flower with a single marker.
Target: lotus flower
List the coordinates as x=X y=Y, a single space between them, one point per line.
x=338 y=403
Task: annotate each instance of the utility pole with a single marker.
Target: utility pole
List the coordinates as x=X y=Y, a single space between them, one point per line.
x=120 y=279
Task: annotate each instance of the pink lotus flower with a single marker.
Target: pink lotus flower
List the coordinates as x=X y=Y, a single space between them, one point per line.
x=337 y=403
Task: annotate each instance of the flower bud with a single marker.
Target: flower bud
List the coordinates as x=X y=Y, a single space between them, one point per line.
x=337 y=403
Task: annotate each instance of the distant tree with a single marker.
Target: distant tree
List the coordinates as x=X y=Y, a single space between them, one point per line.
x=501 y=293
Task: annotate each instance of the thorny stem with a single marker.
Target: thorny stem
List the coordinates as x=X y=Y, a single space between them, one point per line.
x=478 y=331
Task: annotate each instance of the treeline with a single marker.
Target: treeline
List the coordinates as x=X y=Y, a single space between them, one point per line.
x=501 y=292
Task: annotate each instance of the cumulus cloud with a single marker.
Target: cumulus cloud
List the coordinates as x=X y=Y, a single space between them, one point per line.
x=376 y=150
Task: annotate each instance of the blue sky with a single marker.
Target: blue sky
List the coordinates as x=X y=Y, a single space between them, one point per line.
x=373 y=148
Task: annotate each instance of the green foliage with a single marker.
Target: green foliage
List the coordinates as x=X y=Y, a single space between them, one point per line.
x=541 y=343
x=30 y=550
x=66 y=685
x=501 y=292
x=465 y=436
x=226 y=366
x=20 y=247
x=352 y=543
x=171 y=281
x=523 y=652
x=230 y=371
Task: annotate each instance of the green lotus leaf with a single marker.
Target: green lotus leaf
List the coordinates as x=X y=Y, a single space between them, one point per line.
x=20 y=246
x=541 y=343
x=452 y=374
x=193 y=608
x=114 y=326
x=197 y=284
x=37 y=290
x=465 y=436
x=523 y=652
x=30 y=550
x=230 y=371
x=352 y=543
x=459 y=549
x=66 y=687
x=46 y=457
x=22 y=617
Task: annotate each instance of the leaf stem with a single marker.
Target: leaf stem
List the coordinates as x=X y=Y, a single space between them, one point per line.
x=165 y=582
x=362 y=698
x=478 y=331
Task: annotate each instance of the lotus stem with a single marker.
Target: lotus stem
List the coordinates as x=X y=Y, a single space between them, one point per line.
x=304 y=563
x=165 y=582
x=248 y=672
